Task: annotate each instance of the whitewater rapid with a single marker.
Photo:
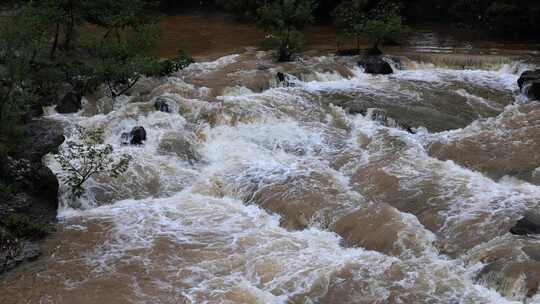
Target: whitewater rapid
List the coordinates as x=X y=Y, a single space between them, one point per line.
x=252 y=191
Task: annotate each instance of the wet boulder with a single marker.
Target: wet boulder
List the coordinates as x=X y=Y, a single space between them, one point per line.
x=285 y=79
x=529 y=83
x=41 y=137
x=162 y=104
x=136 y=137
x=529 y=224
x=375 y=65
x=71 y=103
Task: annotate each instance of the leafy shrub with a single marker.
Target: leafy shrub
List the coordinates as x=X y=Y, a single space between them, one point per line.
x=88 y=157
x=180 y=62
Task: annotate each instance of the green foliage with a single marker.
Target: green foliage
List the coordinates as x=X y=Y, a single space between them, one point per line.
x=121 y=61
x=284 y=20
x=20 y=41
x=173 y=65
x=379 y=22
x=23 y=227
x=90 y=156
x=119 y=14
x=350 y=18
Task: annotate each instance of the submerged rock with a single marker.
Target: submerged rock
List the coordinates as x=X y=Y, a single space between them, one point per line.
x=529 y=224
x=180 y=145
x=136 y=137
x=381 y=116
x=375 y=65
x=529 y=83
x=71 y=103
x=263 y=67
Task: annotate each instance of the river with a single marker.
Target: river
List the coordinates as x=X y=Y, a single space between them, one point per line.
x=340 y=187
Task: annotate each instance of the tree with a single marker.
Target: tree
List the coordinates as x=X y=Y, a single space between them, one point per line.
x=21 y=39
x=350 y=18
x=120 y=61
x=379 y=22
x=285 y=20
x=87 y=157
x=122 y=47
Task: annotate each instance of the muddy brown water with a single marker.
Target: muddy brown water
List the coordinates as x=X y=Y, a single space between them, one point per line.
x=212 y=35
x=250 y=191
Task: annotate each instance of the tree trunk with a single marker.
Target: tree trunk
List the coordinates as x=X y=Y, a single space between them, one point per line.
x=375 y=49
x=284 y=53
x=55 y=42
x=70 y=27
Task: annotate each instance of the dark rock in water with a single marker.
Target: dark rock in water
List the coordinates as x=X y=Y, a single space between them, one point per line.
x=532 y=89
x=126 y=138
x=529 y=224
x=285 y=79
x=379 y=115
x=281 y=77
x=71 y=103
x=375 y=65
x=529 y=83
x=136 y=137
x=528 y=76
x=162 y=105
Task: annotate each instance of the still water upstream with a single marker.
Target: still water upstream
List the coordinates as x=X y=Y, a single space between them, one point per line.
x=336 y=187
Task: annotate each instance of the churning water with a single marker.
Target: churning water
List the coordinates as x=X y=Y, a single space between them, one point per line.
x=335 y=187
